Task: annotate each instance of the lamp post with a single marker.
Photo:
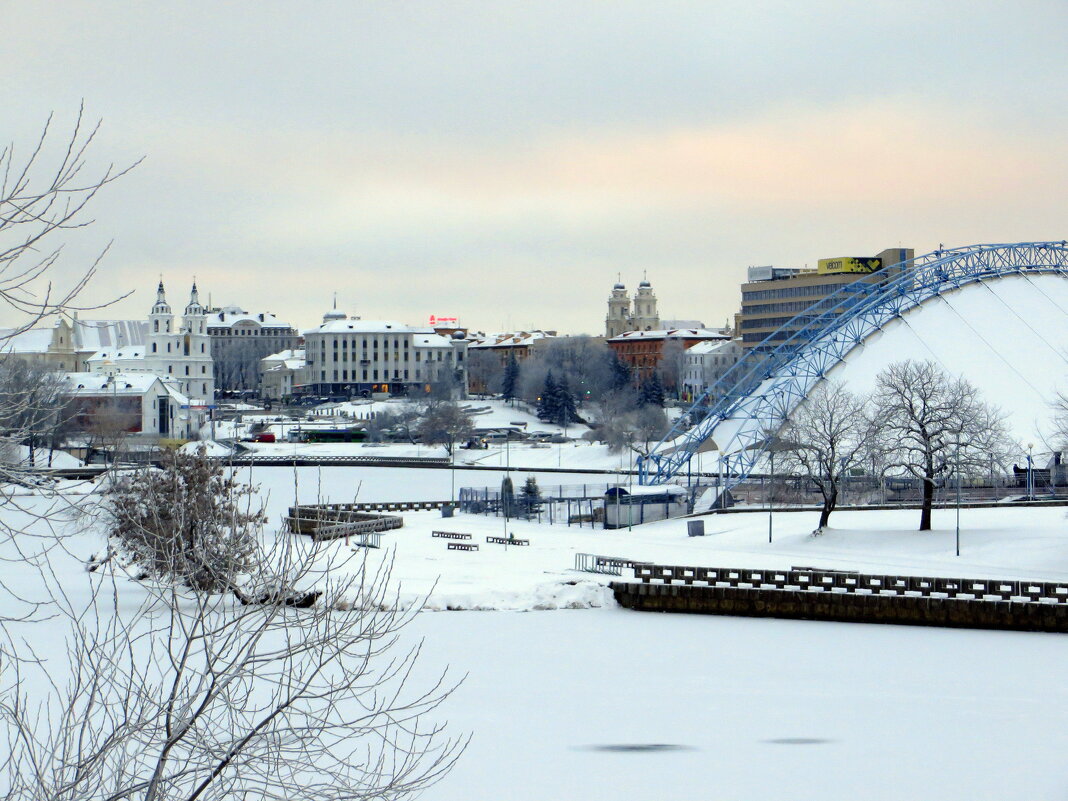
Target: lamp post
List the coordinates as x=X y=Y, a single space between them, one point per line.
x=956 y=458
x=1030 y=473
x=771 y=484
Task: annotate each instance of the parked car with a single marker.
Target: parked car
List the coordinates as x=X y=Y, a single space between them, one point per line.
x=264 y=436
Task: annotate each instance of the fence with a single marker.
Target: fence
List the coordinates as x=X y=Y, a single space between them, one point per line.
x=837 y=581
x=331 y=522
x=573 y=504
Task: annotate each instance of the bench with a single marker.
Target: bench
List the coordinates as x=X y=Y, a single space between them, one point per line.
x=462 y=546
x=450 y=535
x=506 y=541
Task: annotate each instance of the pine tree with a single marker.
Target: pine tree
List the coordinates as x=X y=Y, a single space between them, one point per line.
x=620 y=373
x=530 y=497
x=507 y=497
x=652 y=392
x=547 y=403
x=511 y=379
x=565 y=404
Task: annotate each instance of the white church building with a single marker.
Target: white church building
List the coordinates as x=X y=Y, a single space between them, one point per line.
x=181 y=352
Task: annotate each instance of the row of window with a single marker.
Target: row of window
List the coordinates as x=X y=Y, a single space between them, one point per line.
x=185 y=349
x=812 y=290
x=787 y=306
x=250 y=332
x=343 y=375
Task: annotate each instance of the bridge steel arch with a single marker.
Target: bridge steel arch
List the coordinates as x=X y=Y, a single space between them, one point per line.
x=742 y=411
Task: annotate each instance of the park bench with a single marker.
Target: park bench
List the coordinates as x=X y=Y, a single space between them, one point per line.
x=506 y=541
x=462 y=546
x=450 y=535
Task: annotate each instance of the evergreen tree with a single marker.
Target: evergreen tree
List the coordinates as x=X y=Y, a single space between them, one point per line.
x=620 y=373
x=565 y=404
x=511 y=379
x=507 y=497
x=547 y=403
x=652 y=392
x=530 y=497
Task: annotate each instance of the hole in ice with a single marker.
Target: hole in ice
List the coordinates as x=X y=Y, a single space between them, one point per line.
x=797 y=741
x=637 y=747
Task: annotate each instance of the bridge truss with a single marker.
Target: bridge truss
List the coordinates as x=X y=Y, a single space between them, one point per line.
x=741 y=412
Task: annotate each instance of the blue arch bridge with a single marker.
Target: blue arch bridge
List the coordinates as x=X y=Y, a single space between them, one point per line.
x=740 y=413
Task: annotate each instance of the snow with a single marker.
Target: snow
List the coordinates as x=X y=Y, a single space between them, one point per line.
x=1009 y=339
x=754 y=708
x=760 y=709
x=59 y=459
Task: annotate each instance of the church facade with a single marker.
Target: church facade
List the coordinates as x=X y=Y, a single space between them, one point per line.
x=627 y=314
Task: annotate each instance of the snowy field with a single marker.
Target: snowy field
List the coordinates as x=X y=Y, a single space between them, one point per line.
x=589 y=701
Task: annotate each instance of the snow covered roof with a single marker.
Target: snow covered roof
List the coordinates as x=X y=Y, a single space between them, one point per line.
x=674 y=333
x=93 y=335
x=229 y=316
x=123 y=384
x=132 y=352
x=431 y=341
x=356 y=326
x=515 y=339
x=35 y=340
x=709 y=346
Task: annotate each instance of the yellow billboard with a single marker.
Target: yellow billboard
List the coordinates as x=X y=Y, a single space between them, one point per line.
x=849 y=264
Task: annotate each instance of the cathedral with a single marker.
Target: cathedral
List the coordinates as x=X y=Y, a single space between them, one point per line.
x=627 y=315
x=179 y=352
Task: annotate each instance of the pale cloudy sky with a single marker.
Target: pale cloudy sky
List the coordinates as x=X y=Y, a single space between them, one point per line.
x=502 y=161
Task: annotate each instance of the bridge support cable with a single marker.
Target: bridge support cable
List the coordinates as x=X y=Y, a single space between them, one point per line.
x=752 y=400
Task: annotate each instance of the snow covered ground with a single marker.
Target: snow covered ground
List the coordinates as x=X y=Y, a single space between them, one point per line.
x=576 y=454
x=561 y=703
x=1000 y=542
x=603 y=703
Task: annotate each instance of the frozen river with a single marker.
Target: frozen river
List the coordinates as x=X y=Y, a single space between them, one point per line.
x=564 y=704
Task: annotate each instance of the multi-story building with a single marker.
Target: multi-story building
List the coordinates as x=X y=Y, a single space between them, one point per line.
x=627 y=315
x=354 y=357
x=773 y=296
x=116 y=405
x=281 y=373
x=705 y=364
x=643 y=351
x=239 y=340
x=68 y=343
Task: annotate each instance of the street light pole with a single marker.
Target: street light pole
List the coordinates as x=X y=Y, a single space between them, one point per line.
x=771 y=484
x=957 y=459
x=1030 y=473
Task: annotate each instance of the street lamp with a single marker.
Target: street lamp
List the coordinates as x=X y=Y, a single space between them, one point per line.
x=1030 y=473
x=957 y=459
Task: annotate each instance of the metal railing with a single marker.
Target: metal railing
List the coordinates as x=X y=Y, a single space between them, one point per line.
x=837 y=581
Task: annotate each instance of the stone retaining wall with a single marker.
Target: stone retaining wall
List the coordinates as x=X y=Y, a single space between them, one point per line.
x=843 y=607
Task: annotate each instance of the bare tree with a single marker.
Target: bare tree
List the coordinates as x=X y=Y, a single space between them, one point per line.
x=295 y=684
x=445 y=424
x=932 y=424
x=672 y=366
x=34 y=406
x=826 y=437
x=192 y=695
x=39 y=199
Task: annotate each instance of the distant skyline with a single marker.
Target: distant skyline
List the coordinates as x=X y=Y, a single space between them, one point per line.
x=502 y=162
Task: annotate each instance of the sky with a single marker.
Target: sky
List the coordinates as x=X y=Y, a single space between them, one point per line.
x=503 y=161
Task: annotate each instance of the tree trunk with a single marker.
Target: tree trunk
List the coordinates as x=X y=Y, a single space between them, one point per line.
x=830 y=500
x=928 y=502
